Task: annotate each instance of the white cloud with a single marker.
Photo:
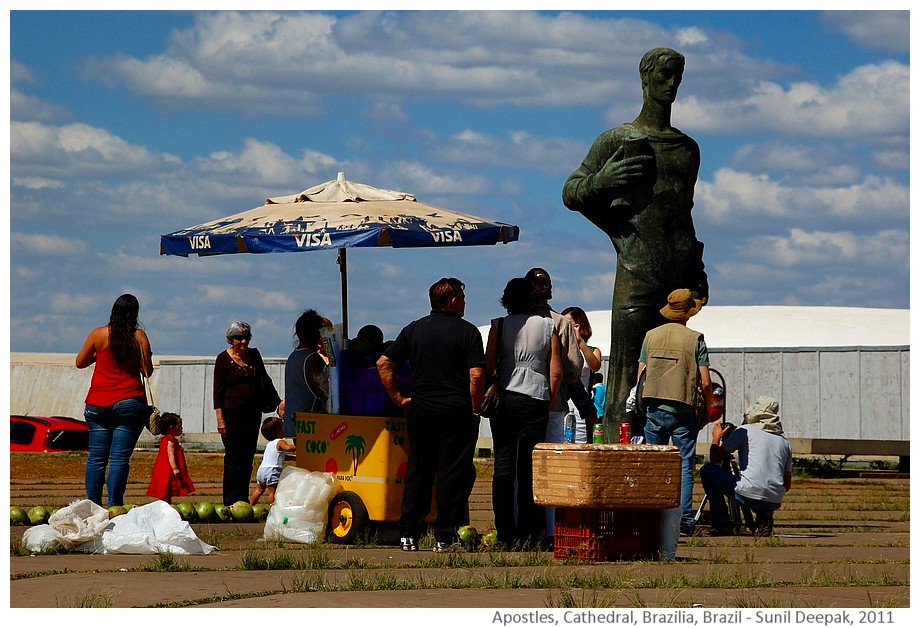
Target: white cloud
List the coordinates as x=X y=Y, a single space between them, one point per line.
x=814 y=268
x=72 y=302
x=21 y=73
x=824 y=163
x=47 y=244
x=881 y=30
x=23 y=107
x=692 y=36
x=735 y=197
x=871 y=100
x=819 y=249
x=517 y=149
x=75 y=150
x=37 y=183
x=425 y=182
x=283 y=62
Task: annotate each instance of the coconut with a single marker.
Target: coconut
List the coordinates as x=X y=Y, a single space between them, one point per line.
x=206 y=512
x=469 y=537
x=467 y=534
x=19 y=516
x=187 y=510
x=241 y=512
x=223 y=513
x=39 y=515
x=259 y=512
x=489 y=538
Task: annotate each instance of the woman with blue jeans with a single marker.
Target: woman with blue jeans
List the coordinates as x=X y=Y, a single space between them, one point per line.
x=116 y=408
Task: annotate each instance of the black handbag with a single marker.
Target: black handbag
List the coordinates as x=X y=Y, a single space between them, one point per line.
x=268 y=396
x=492 y=399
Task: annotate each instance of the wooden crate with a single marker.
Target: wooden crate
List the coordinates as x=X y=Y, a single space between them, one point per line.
x=606 y=476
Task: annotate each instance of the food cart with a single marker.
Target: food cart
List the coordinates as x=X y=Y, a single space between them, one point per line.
x=364 y=444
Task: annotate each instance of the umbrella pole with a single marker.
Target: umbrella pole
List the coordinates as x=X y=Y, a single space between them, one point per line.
x=343 y=268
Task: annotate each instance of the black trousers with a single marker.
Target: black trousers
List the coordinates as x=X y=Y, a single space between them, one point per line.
x=515 y=433
x=239 y=452
x=441 y=448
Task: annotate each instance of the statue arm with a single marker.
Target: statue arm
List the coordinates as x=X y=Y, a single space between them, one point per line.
x=604 y=175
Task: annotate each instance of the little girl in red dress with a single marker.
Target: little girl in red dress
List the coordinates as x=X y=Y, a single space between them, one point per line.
x=170 y=476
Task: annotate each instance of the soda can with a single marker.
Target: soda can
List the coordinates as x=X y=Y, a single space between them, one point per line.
x=625 y=433
x=598 y=434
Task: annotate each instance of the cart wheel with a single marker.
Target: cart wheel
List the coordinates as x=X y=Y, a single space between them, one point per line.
x=347 y=518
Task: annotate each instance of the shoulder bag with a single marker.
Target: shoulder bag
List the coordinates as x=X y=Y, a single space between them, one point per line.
x=268 y=396
x=492 y=399
x=153 y=419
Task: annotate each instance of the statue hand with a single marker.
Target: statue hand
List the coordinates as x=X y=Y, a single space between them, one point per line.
x=620 y=172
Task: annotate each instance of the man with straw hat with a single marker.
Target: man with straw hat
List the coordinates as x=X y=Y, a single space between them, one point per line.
x=765 y=462
x=676 y=364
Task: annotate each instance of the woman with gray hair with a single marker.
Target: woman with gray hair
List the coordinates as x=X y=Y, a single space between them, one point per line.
x=242 y=391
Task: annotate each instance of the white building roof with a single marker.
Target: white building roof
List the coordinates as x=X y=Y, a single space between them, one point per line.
x=778 y=326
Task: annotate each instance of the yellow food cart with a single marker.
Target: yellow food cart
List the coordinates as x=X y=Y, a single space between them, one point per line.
x=365 y=446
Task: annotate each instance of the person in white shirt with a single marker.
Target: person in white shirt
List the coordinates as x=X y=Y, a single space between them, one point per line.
x=765 y=463
x=272 y=460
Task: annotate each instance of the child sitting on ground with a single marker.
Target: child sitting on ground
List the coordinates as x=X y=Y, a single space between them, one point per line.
x=272 y=460
x=170 y=476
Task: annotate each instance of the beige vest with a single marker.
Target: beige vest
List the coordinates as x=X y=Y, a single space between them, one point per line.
x=671 y=368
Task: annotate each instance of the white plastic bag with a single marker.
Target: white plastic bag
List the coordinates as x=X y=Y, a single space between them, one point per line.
x=42 y=538
x=80 y=521
x=154 y=528
x=78 y=525
x=301 y=506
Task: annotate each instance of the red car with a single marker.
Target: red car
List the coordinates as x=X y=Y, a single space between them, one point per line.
x=47 y=434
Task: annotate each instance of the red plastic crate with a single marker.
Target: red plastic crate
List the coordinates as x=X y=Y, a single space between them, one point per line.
x=607 y=534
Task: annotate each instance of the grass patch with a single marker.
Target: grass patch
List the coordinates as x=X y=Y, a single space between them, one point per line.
x=18 y=548
x=259 y=561
x=167 y=562
x=90 y=599
x=581 y=599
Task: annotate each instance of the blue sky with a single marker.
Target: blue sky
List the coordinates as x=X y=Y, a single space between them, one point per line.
x=128 y=125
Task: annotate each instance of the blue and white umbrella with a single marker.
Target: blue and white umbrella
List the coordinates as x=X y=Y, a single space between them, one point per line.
x=338 y=215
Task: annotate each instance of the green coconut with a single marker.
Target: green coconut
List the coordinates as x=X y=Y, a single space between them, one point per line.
x=259 y=513
x=241 y=512
x=38 y=515
x=187 y=511
x=223 y=513
x=207 y=513
x=19 y=516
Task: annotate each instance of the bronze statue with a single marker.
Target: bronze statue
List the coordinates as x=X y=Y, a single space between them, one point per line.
x=636 y=184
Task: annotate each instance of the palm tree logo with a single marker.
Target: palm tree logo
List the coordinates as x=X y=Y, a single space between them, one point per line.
x=354 y=445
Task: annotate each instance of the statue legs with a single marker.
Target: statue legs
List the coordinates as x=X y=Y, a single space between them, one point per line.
x=629 y=325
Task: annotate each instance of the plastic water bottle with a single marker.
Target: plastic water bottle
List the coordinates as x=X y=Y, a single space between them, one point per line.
x=568 y=433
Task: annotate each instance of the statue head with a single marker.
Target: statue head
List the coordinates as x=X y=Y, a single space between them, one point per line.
x=665 y=63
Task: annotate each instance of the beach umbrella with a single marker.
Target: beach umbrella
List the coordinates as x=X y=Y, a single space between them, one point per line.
x=339 y=215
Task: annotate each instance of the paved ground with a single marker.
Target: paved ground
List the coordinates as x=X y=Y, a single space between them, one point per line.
x=839 y=544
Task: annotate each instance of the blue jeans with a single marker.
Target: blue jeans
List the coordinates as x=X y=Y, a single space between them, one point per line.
x=662 y=426
x=719 y=482
x=113 y=433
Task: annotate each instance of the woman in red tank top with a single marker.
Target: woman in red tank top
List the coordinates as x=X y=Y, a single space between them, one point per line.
x=116 y=408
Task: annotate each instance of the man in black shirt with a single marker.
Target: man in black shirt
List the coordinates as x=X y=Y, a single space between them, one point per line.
x=447 y=361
